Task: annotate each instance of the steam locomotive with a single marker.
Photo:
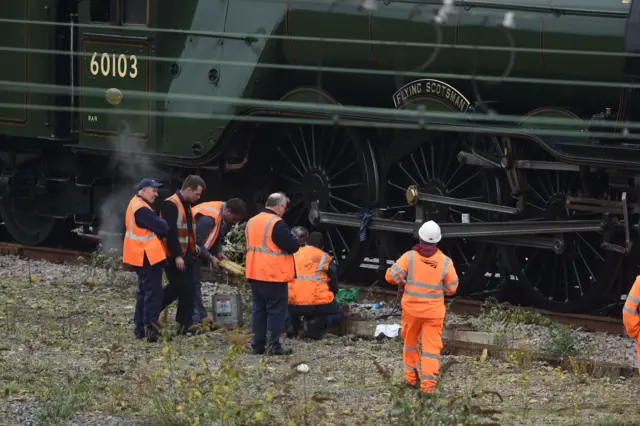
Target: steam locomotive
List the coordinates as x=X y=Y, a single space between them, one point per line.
x=509 y=122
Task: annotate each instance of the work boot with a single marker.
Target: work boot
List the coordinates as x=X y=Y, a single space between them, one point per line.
x=315 y=328
x=279 y=352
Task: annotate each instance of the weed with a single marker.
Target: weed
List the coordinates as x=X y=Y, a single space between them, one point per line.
x=63 y=399
x=562 y=341
x=499 y=315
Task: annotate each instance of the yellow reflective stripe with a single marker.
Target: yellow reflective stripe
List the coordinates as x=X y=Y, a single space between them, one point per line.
x=214 y=232
x=444 y=269
x=429 y=286
x=427 y=377
x=395 y=275
x=633 y=299
x=430 y=355
x=630 y=310
x=267 y=251
x=449 y=286
x=424 y=295
x=407 y=367
x=411 y=348
x=399 y=270
x=129 y=234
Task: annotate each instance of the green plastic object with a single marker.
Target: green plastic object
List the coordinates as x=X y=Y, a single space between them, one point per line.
x=347 y=295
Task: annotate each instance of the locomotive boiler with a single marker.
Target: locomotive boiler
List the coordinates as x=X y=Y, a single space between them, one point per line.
x=509 y=122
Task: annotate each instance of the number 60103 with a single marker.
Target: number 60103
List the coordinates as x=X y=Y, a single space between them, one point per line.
x=116 y=65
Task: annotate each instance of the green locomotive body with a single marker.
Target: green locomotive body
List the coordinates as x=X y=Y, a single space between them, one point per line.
x=100 y=93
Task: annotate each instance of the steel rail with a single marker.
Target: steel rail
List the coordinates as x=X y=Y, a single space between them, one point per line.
x=458 y=305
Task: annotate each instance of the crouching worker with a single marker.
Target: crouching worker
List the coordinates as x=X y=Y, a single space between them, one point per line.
x=143 y=250
x=425 y=275
x=311 y=294
x=301 y=234
x=631 y=316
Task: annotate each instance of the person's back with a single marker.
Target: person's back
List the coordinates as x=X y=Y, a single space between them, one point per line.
x=311 y=285
x=426 y=275
x=430 y=276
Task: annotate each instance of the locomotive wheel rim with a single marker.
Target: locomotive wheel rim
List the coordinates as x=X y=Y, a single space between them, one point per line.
x=431 y=164
x=578 y=278
x=333 y=166
x=27 y=229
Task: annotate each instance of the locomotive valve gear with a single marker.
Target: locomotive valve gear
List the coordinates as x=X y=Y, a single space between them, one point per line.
x=427 y=275
x=269 y=268
x=213 y=220
x=312 y=293
x=180 y=246
x=143 y=250
x=631 y=316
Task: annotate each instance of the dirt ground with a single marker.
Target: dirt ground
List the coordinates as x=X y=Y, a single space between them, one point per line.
x=68 y=356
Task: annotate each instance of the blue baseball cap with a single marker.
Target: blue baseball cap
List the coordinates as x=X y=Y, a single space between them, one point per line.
x=148 y=182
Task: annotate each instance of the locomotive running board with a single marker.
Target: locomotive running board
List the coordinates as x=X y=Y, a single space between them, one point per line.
x=490 y=230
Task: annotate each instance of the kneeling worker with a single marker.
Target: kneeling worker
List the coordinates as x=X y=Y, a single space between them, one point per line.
x=426 y=275
x=213 y=221
x=143 y=250
x=312 y=293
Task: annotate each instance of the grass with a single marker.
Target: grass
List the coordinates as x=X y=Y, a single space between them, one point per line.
x=67 y=349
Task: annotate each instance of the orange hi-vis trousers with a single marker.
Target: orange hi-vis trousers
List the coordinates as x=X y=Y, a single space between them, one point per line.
x=422 y=360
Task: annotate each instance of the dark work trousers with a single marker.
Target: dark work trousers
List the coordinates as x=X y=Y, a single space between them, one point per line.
x=199 y=311
x=324 y=316
x=269 y=314
x=182 y=287
x=148 y=298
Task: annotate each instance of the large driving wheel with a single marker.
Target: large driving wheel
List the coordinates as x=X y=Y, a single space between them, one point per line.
x=576 y=278
x=331 y=165
x=429 y=161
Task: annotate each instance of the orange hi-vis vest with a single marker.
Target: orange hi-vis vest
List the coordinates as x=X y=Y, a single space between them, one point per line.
x=139 y=241
x=184 y=238
x=265 y=260
x=630 y=311
x=428 y=280
x=311 y=286
x=631 y=316
x=215 y=210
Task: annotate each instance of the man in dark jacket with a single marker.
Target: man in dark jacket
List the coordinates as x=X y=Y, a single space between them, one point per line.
x=149 y=293
x=269 y=268
x=181 y=249
x=209 y=237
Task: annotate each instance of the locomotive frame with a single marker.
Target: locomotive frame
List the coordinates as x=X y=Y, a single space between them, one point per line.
x=555 y=217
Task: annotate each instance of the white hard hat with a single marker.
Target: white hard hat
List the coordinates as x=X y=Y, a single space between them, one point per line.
x=430 y=232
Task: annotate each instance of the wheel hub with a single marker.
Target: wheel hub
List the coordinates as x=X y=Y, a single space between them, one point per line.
x=556 y=208
x=315 y=187
x=435 y=211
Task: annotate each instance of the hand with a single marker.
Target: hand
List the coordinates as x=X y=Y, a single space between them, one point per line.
x=214 y=261
x=180 y=263
x=222 y=256
x=197 y=249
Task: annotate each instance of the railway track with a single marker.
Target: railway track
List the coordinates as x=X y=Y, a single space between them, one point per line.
x=461 y=306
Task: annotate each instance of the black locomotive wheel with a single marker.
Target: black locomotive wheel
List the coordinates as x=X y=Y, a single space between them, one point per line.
x=29 y=229
x=431 y=164
x=19 y=211
x=576 y=278
x=333 y=166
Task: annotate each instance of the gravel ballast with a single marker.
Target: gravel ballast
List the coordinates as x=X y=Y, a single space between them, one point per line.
x=67 y=352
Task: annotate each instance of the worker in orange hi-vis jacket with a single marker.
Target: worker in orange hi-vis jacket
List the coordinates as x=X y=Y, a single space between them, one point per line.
x=631 y=316
x=426 y=275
